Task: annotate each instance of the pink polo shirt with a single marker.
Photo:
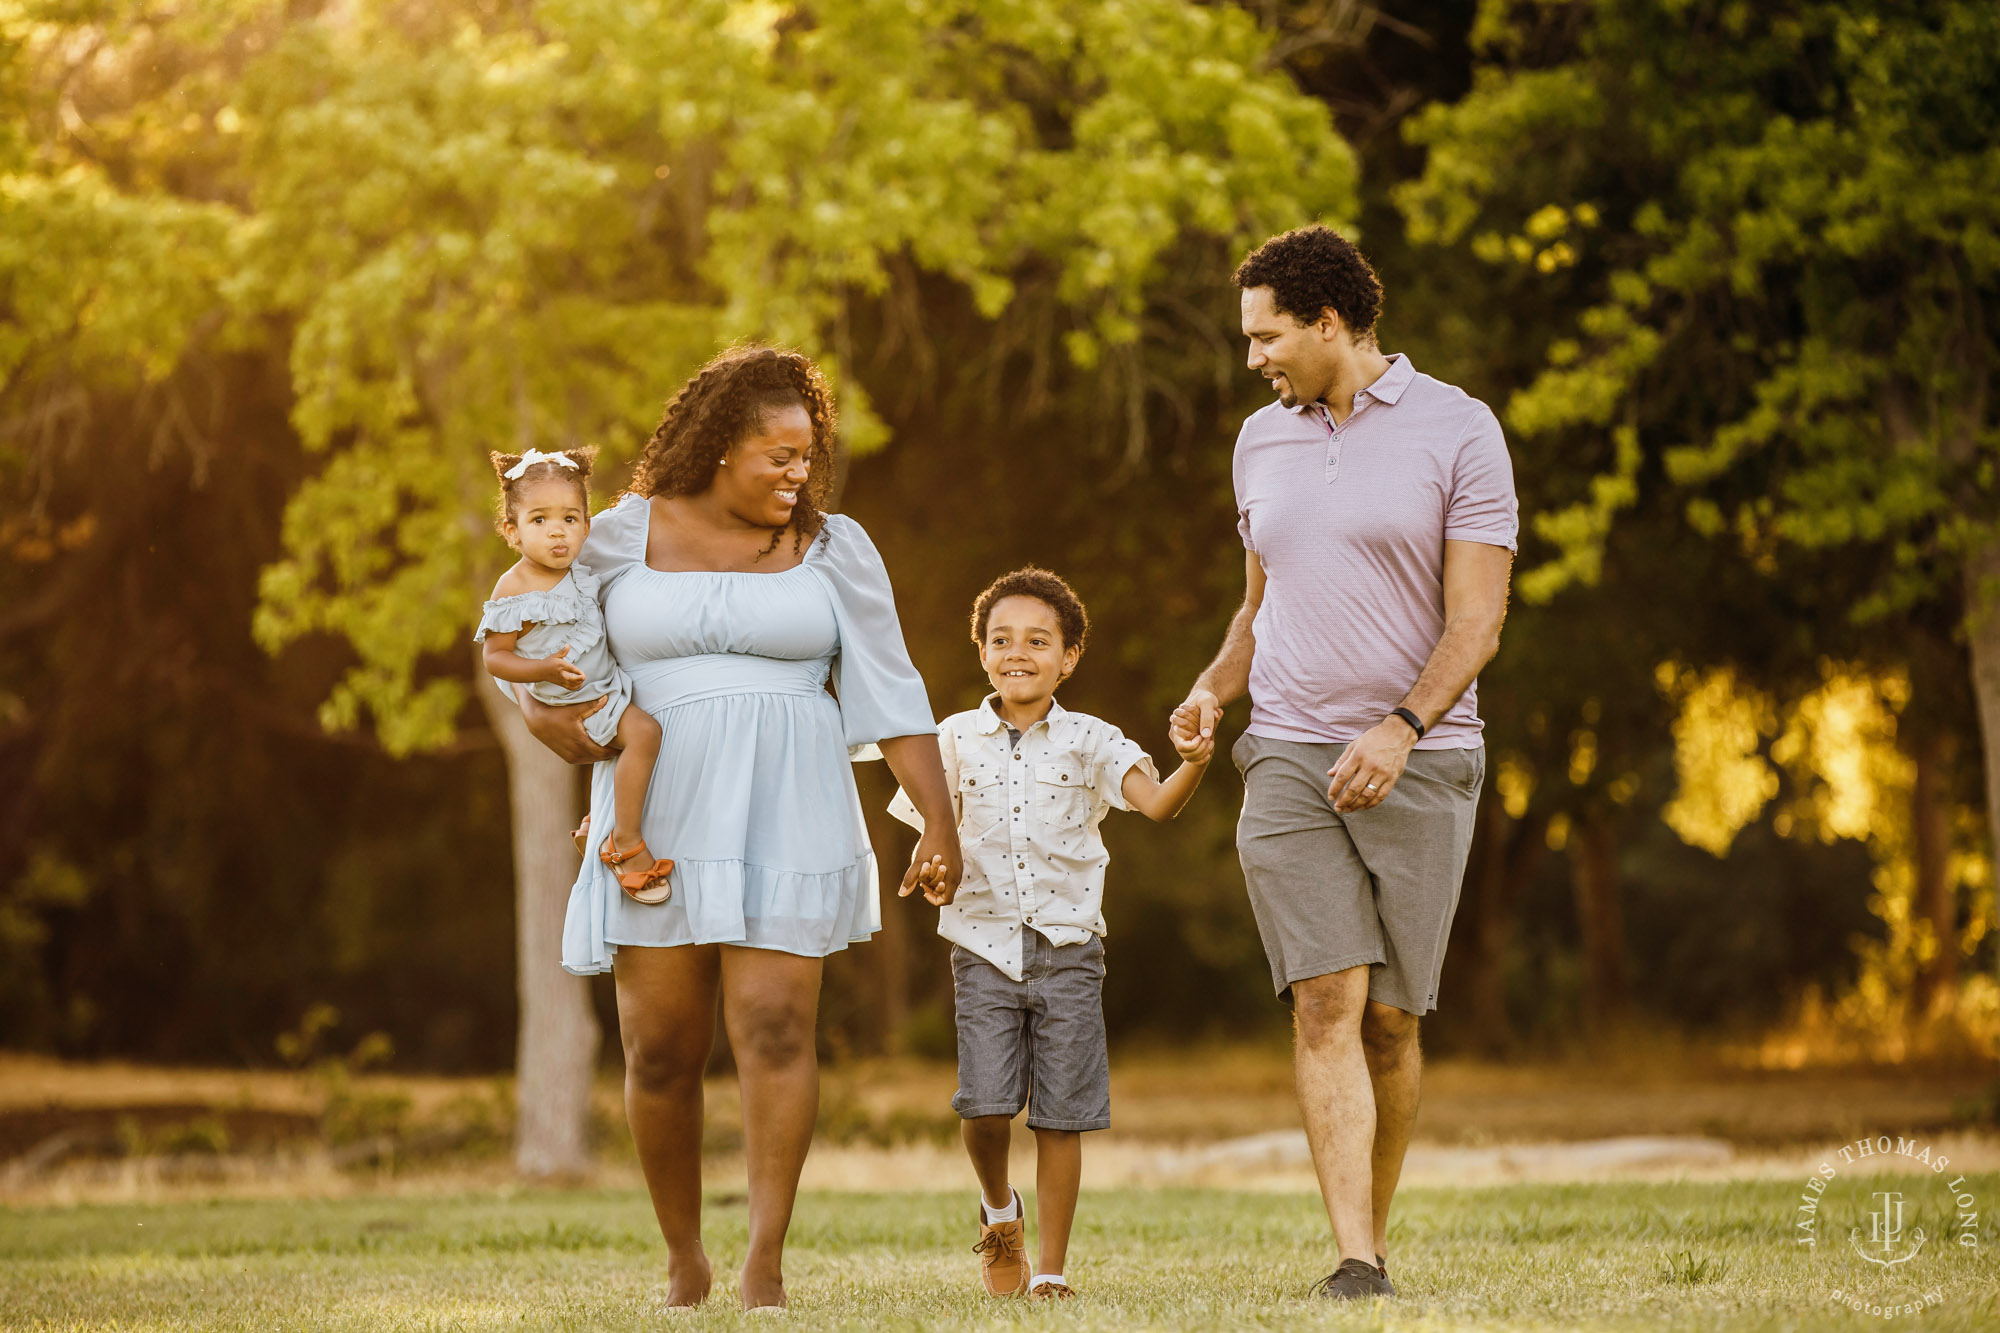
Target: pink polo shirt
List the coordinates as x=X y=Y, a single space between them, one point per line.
x=1350 y=523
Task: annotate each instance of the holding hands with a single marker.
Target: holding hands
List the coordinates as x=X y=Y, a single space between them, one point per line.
x=1192 y=727
x=935 y=871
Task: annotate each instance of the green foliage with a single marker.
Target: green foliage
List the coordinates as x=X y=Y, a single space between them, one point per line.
x=349 y=1112
x=1791 y=298
x=475 y=226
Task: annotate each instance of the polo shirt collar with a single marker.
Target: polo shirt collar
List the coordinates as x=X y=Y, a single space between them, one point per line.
x=1387 y=388
x=990 y=722
x=1389 y=385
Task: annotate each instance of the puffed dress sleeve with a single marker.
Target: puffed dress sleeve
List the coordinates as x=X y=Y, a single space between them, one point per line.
x=617 y=540
x=881 y=695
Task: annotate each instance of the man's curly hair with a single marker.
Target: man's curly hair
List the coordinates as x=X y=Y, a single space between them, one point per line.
x=1071 y=619
x=1311 y=268
x=723 y=404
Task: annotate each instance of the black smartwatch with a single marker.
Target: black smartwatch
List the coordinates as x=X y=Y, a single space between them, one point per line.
x=1410 y=718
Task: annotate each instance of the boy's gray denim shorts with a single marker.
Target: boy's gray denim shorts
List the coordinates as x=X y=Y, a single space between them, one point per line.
x=1037 y=1042
x=1376 y=887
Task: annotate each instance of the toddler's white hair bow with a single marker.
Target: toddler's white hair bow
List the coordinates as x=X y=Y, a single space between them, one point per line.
x=534 y=456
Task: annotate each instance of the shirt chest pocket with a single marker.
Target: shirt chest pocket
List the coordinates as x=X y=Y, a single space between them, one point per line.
x=1063 y=800
x=981 y=803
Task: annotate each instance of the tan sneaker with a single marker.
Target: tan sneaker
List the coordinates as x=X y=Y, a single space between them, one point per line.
x=1003 y=1252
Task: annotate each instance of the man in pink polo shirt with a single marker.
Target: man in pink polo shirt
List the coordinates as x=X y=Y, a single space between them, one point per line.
x=1377 y=510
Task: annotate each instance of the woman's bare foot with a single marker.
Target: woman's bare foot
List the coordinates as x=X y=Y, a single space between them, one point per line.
x=761 y=1287
x=688 y=1279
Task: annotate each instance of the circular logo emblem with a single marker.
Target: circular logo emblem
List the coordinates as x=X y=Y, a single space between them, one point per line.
x=1872 y=1210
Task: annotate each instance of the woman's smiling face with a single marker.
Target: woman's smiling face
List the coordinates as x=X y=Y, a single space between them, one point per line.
x=759 y=481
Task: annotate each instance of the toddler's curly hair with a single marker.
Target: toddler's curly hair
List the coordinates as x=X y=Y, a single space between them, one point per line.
x=1072 y=621
x=1311 y=268
x=584 y=456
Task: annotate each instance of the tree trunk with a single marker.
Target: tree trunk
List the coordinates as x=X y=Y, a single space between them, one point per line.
x=1982 y=637
x=1937 y=976
x=1593 y=853
x=555 y=1054
x=1506 y=853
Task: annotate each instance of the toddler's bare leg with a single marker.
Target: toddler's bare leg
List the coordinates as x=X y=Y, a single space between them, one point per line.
x=639 y=747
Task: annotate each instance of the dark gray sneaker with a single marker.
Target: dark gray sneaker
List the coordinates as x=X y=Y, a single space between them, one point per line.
x=1382 y=1267
x=1354 y=1280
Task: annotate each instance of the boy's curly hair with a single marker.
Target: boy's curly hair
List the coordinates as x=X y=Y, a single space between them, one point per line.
x=584 y=456
x=726 y=401
x=1311 y=268
x=1031 y=581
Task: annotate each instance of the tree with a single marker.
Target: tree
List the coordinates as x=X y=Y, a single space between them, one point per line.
x=1774 y=232
x=470 y=225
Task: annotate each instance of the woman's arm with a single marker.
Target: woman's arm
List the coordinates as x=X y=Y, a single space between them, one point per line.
x=938 y=863
x=504 y=662
x=560 y=727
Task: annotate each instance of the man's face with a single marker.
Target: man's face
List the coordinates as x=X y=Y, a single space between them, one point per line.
x=1298 y=359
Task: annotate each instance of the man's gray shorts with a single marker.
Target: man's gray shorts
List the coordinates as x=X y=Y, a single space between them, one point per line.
x=1375 y=887
x=1042 y=1034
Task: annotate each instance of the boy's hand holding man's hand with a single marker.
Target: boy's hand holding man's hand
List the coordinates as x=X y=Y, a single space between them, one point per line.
x=1192 y=727
x=1196 y=750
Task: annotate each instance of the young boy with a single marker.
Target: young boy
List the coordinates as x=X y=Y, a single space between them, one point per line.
x=1032 y=782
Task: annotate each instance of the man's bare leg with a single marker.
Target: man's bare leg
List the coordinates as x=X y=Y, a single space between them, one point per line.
x=1337 y=1101
x=1395 y=1074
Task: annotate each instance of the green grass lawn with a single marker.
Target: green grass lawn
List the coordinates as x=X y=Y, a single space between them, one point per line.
x=1694 y=1256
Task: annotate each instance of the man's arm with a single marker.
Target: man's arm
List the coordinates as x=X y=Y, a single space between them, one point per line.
x=1475 y=606
x=1227 y=678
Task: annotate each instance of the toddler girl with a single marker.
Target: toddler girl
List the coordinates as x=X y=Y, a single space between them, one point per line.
x=543 y=629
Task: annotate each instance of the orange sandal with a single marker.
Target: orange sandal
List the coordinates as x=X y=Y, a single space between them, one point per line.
x=648 y=886
x=580 y=835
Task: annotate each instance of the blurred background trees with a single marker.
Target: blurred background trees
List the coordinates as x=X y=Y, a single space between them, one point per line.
x=275 y=276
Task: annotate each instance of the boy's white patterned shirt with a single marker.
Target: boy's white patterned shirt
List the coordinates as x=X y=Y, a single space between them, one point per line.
x=1027 y=820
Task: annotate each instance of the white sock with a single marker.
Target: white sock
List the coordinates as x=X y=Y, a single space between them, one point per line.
x=1039 y=1278
x=1011 y=1213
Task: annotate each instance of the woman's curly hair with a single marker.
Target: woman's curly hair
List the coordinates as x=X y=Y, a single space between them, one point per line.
x=1311 y=268
x=725 y=402
x=511 y=487
x=1032 y=581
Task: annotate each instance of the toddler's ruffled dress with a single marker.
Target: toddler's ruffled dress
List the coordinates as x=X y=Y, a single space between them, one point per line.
x=565 y=616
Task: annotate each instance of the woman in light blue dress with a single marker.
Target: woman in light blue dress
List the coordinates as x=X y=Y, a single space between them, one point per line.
x=735 y=606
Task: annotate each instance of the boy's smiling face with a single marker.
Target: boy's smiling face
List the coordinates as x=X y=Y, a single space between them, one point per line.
x=1023 y=650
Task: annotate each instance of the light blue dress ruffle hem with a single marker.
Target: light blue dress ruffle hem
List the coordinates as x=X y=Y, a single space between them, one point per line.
x=565 y=616
x=753 y=796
